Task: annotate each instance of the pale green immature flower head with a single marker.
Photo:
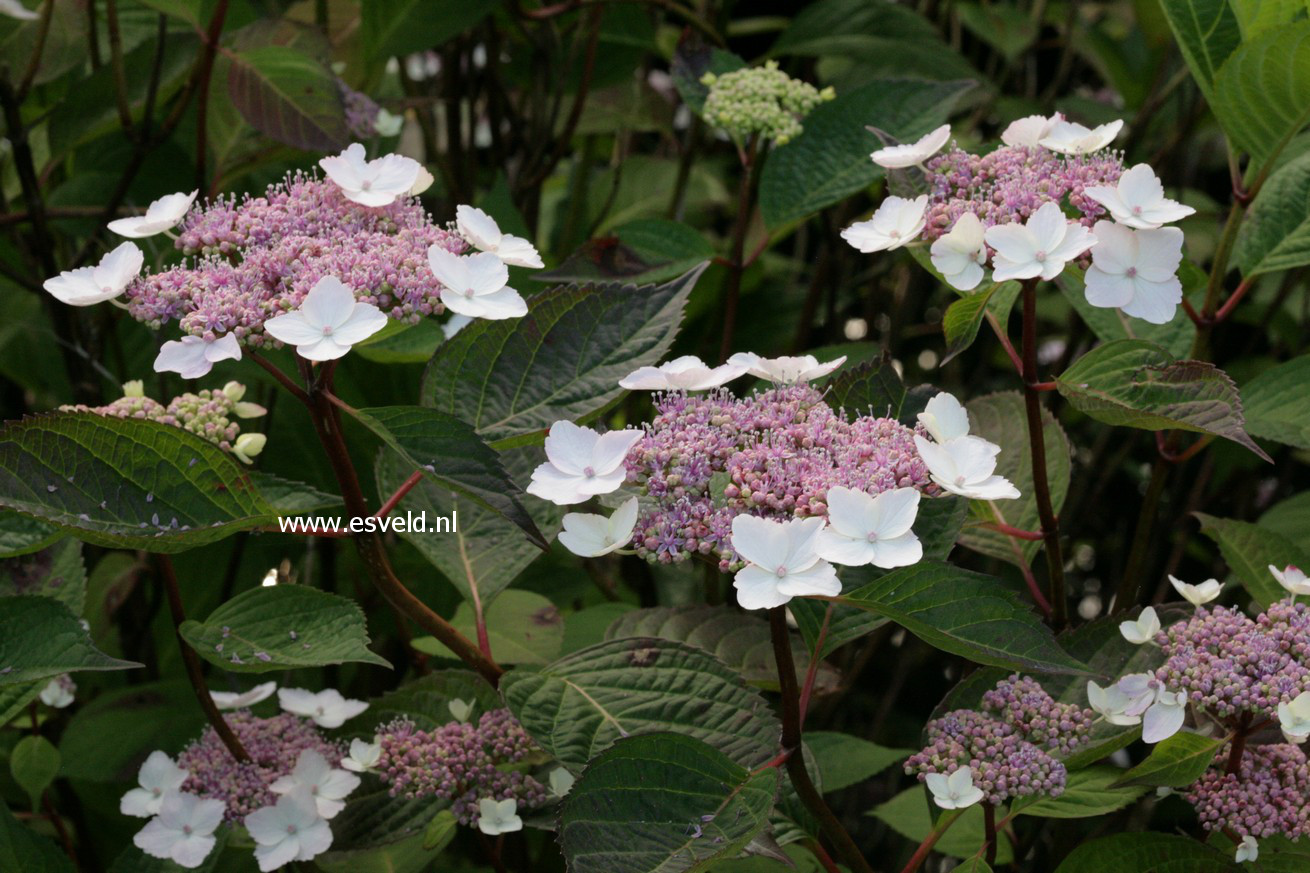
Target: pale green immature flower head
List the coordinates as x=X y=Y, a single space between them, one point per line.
x=760 y=100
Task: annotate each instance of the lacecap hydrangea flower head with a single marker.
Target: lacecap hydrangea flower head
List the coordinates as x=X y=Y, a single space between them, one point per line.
x=761 y=101
x=1053 y=193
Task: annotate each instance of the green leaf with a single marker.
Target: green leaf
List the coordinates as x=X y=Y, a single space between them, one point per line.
x=967 y=614
x=126 y=483
x=34 y=763
x=289 y=96
x=1087 y=793
x=1002 y=419
x=412 y=344
x=378 y=833
x=426 y=701
x=563 y=360
x=1276 y=232
x=1134 y=383
x=1275 y=405
x=21 y=535
x=1146 y=852
x=1009 y=29
x=282 y=627
x=1175 y=762
x=1250 y=549
x=965 y=316
x=292 y=498
x=662 y=802
x=646 y=250
x=741 y=641
x=440 y=831
x=109 y=737
x=1207 y=32
x=1176 y=336
x=40 y=638
x=871 y=388
x=1262 y=92
x=845 y=760
x=451 y=455
x=583 y=702
x=401 y=27
x=522 y=627
x=14 y=700
x=54 y=572
x=23 y=849
x=909 y=815
x=829 y=161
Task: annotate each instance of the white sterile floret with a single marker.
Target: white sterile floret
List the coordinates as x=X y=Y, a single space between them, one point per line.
x=192 y=356
x=379 y=182
x=497 y=817
x=1247 y=850
x=290 y=830
x=1197 y=595
x=871 y=529
x=183 y=832
x=327 y=785
x=687 y=373
x=909 y=154
x=482 y=231
x=561 y=782
x=15 y=9
x=241 y=700
x=161 y=215
x=1072 y=138
x=581 y=463
x=1030 y=130
x=945 y=418
x=1136 y=271
x=87 y=286
x=1138 y=200
x=387 y=124
x=248 y=446
x=158 y=776
x=966 y=466
x=327 y=323
x=787 y=370
x=1112 y=704
x=327 y=708
x=782 y=561
x=363 y=757
x=590 y=535
x=1294 y=718
x=1143 y=629
x=58 y=692
x=1039 y=247
x=1292 y=578
x=461 y=710
x=475 y=285
x=1162 y=711
x=422 y=182
x=955 y=791
x=961 y=254
x=896 y=222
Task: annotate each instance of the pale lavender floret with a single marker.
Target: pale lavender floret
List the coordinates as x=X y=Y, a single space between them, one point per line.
x=361 y=111
x=460 y=762
x=273 y=744
x=1266 y=796
x=1021 y=701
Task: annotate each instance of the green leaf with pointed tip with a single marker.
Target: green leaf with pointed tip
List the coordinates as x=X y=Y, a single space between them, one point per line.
x=965 y=316
x=1146 y=852
x=1087 y=793
x=1175 y=762
x=1276 y=232
x=1262 y=92
x=34 y=763
x=14 y=699
x=22 y=848
x=452 y=455
x=21 y=535
x=829 y=161
x=409 y=344
x=1207 y=32
x=522 y=628
x=289 y=96
x=845 y=760
x=282 y=627
x=292 y=498
x=585 y=701
x=563 y=360
x=1134 y=383
x=40 y=638
x=1250 y=549
x=126 y=483
x=662 y=803
x=1275 y=406
x=967 y=614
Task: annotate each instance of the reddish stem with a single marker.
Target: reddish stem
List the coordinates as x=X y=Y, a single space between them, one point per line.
x=1162 y=446
x=1231 y=302
x=1011 y=531
x=1005 y=343
x=1044 y=386
x=815 y=658
x=405 y=487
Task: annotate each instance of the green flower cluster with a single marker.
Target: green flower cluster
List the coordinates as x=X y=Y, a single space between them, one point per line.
x=760 y=100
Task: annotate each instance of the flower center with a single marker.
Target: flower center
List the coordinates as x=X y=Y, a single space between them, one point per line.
x=107 y=289
x=327 y=330
x=318 y=710
x=156 y=791
x=186 y=829
x=872 y=537
x=468 y=293
x=1130 y=272
x=365 y=185
x=781 y=571
x=1040 y=257
x=895 y=234
x=959 y=480
x=291 y=829
x=314 y=790
x=1137 y=210
x=589 y=472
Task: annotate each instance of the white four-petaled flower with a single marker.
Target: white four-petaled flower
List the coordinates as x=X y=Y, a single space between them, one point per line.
x=787 y=370
x=1197 y=595
x=871 y=529
x=157 y=777
x=363 y=757
x=192 y=356
x=290 y=830
x=1292 y=578
x=243 y=699
x=1039 y=247
x=58 y=692
x=1143 y=630
x=687 y=373
x=87 y=286
x=1072 y=138
x=327 y=708
x=896 y=222
x=497 y=817
x=183 y=831
x=1112 y=703
x=1294 y=718
x=966 y=466
x=1247 y=850
x=782 y=561
x=484 y=233
x=961 y=254
x=378 y=182
x=945 y=418
x=955 y=791
x=590 y=535
x=581 y=463
x=1162 y=711
x=1135 y=270
x=328 y=322
x=327 y=785
x=561 y=782
x=161 y=215
x=909 y=154
x=1138 y=200
x=476 y=285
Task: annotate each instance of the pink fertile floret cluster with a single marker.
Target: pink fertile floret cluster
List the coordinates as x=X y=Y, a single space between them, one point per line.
x=208 y=414
x=1266 y=796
